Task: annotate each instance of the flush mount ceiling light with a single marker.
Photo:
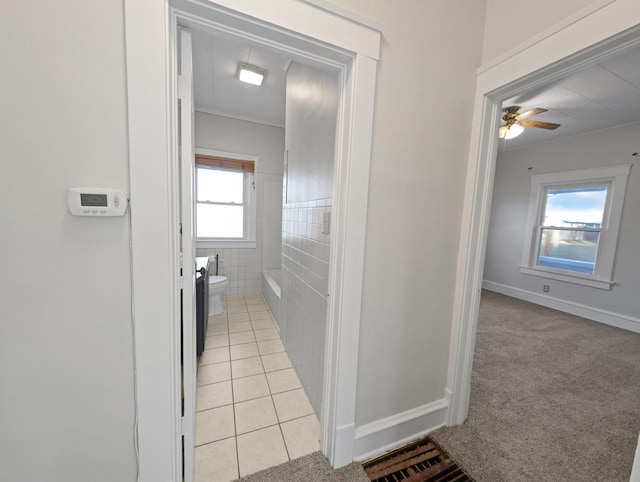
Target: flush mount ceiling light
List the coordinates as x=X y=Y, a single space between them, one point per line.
x=250 y=74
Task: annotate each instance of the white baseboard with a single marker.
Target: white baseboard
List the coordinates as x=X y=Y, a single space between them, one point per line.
x=389 y=433
x=343 y=445
x=635 y=469
x=607 y=317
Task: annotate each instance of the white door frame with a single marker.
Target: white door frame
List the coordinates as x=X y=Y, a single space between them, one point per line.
x=603 y=28
x=316 y=29
x=185 y=181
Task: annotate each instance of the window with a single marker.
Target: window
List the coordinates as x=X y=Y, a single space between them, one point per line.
x=573 y=223
x=225 y=207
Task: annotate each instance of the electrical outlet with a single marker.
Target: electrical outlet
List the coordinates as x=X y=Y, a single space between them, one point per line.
x=545 y=288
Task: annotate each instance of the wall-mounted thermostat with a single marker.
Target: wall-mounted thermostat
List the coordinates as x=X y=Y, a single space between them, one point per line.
x=96 y=201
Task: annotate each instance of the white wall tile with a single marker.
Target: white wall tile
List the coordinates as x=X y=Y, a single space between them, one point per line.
x=305 y=268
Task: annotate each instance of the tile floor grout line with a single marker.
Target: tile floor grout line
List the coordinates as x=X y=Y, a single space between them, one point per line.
x=264 y=372
x=233 y=405
x=284 y=441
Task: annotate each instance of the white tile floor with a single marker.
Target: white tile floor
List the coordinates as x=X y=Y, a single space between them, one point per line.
x=251 y=411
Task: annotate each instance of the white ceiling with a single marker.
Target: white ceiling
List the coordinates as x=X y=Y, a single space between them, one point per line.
x=604 y=95
x=217 y=89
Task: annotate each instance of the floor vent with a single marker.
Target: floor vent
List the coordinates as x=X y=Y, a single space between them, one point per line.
x=420 y=461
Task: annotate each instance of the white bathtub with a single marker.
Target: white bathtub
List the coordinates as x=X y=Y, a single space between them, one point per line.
x=271 y=291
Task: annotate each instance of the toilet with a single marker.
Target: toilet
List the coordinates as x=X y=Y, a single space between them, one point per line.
x=217 y=285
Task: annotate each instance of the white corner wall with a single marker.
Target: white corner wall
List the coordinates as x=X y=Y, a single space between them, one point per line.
x=66 y=356
x=243 y=266
x=311 y=115
x=505 y=242
x=422 y=125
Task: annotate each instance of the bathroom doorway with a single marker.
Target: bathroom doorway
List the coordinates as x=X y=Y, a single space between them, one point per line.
x=352 y=45
x=260 y=377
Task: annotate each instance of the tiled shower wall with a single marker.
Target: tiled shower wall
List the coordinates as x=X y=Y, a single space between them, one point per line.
x=305 y=274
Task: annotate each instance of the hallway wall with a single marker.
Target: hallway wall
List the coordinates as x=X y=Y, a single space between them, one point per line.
x=422 y=124
x=66 y=352
x=522 y=20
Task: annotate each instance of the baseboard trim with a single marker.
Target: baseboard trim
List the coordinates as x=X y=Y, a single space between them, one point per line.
x=389 y=433
x=607 y=317
x=343 y=445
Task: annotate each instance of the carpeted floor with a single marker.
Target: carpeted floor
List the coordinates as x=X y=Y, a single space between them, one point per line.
x=554 y=397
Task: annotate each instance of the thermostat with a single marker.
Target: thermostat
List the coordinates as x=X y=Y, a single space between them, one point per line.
x=96 y=201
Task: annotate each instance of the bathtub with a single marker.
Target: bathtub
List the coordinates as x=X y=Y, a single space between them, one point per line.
x=271 y=291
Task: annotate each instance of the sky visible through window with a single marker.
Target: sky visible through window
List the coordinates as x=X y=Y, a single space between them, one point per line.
x=573 y=206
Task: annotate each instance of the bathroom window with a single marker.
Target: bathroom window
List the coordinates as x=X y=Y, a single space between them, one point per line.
x=573 y=224
x=224 y=205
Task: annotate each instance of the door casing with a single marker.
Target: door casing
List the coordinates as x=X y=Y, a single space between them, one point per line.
x=311 y=33
x=603 y=28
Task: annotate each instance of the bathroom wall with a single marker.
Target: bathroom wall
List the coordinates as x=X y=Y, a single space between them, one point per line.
x=305 y=274
x=243 y=266
x=311 y=114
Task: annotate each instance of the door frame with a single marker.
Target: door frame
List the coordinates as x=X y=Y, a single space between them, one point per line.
x=588 y=36
x=317 y=30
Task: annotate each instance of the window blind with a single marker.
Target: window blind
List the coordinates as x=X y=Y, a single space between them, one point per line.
x=224 y=163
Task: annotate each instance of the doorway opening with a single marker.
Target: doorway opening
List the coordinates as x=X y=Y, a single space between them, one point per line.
x=260 y=376
x=351 y=46
x=522 y=348
x=492 y=94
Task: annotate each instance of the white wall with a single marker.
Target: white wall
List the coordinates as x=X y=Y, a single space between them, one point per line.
x=66 y=361
x=311 y=114
x=607 y=147
x=243 y=266
x=424 y=102
x=511 y=22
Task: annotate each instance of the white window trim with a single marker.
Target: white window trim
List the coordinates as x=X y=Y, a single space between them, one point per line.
x=603 y=270
x=250 y=183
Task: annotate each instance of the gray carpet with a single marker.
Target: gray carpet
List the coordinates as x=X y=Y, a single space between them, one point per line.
x=554 y=397
x=310 y=468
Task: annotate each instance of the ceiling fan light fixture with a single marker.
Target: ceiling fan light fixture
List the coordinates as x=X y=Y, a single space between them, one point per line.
x=250 y=74
x=511 y=131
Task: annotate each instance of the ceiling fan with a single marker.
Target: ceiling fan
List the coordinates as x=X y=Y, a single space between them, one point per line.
x=514 y=122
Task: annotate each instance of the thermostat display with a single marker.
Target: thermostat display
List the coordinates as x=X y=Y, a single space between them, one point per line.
x=96 y=201
x=89 y=200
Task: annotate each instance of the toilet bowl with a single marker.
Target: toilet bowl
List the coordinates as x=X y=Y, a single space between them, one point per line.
x=217 y=285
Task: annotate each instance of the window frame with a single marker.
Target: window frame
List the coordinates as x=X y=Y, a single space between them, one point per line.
x=616 y=179
x=249 y=201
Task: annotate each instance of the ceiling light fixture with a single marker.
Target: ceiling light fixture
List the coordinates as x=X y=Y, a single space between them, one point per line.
x=509 y=131
x=250 y=74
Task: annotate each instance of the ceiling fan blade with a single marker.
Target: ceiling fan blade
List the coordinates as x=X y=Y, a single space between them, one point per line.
x=542 y=125
x=530 y=113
